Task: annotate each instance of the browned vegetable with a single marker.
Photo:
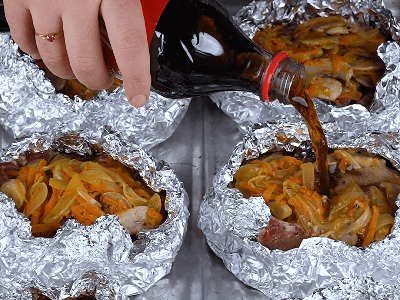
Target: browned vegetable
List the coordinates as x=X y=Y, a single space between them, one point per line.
x=72 y=87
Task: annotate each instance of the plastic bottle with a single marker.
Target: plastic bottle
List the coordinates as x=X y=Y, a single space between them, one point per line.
x=198 y=49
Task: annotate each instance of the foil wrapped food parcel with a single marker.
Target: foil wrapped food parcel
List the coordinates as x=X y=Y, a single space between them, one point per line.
x=101 y=259
x=246 y=109
x=320 y=268
x=29 y=103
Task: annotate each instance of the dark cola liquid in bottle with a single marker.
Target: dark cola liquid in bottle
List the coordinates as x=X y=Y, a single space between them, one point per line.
x=197 y=49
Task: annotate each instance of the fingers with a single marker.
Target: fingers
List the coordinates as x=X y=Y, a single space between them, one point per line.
x=53 y=54
x=127 y=32
x=82 y=38
x=20 y=21
x=78 y=52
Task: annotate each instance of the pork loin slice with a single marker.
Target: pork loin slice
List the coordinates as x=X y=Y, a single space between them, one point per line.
x=281 y=235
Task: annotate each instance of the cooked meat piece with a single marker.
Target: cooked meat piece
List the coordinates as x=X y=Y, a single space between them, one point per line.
x=281 y=235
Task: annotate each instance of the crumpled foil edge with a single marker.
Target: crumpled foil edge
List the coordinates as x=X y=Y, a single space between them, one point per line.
x=30 y=104
x=99 y=258
x=246 y=109
x=320 y=266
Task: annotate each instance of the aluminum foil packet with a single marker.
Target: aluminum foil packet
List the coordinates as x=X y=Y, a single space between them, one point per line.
x=102 y=258
x=320 y=268
x=384 y=114
x=29 y=103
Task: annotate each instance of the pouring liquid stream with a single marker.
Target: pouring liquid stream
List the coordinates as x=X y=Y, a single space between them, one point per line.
x=318 y=139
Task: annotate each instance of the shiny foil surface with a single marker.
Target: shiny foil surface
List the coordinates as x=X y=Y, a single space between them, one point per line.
x=30 y=104
x=384 y=114
x=321 y=268
x=101 y=258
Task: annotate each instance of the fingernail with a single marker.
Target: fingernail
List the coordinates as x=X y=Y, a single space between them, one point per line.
x=69 y=77
x=36 y=56
x=138 y=101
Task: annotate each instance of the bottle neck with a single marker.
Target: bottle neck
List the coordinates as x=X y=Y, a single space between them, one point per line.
x=284 y=79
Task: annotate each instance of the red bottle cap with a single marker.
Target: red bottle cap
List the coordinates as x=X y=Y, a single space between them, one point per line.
x=152 y=10
x=273 y=65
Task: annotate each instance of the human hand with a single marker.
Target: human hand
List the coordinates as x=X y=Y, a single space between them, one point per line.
x=77 y=53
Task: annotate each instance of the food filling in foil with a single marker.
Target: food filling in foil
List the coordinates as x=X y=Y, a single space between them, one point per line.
x=359 y=210
x=50 y=188
x=340 y=57
x=73 y=87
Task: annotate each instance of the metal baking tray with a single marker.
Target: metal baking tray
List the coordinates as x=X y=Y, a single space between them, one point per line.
x=199 y=147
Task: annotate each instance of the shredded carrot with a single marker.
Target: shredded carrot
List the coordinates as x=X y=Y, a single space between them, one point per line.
x=19 y=188
x=297 y=180
x=372 y=227
x=89 y=216
x=352 y=211
x=23 y=175
x=77 y=210
x=278 y=187
x=336 y=63
x=142 y=193
x=110 y=200
x=79 y=217
x=306 y=191
x=263 y=164
x=94 y=210
x=254 y=191
x=87 y=222
x=52 y=202
x=43 y=228
x=125 y=176
x=346 y=40
x=280 y=197
x=312 y=89
x=154 y=215
x=41 y=164
x=300 y=209
x=35 y=217
x=75 y=199
x=268 y=192
x=13 y=173
x=343 y=165
x=101 y=188
x=31 y=177
x=122 y=204
x=288 y=161
x=39 y=175
x=113 y=210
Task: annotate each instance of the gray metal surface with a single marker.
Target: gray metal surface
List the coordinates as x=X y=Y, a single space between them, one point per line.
x=202 y=144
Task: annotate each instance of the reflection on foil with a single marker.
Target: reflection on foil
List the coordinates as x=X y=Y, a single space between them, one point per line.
x=384 y=115
x=100 y=258
x=30 y=104
x=320 y=266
